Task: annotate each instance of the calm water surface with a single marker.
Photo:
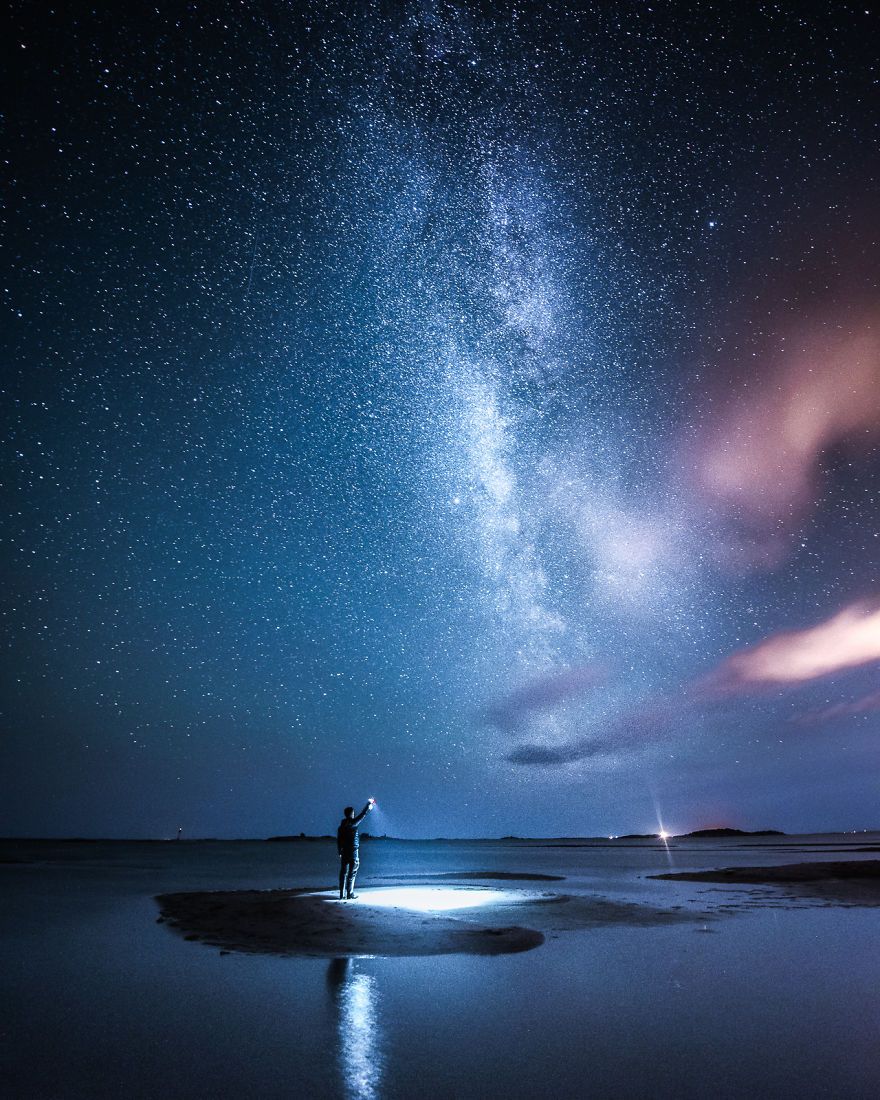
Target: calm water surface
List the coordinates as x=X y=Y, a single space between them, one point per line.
x=100 y=1001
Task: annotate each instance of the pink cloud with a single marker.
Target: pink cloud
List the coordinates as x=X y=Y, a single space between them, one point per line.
x=821 y=387
x=793 y=374
x=792 y=658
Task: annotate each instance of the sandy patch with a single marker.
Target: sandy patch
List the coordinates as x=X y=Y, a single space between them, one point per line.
x=316 y=923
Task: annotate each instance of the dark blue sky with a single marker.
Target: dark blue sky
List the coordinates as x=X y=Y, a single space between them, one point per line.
x=474 y=406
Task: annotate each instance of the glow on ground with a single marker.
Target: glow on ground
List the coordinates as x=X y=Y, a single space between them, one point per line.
x=432 y=899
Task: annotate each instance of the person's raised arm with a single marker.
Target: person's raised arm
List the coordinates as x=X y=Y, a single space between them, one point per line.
x=360 y=817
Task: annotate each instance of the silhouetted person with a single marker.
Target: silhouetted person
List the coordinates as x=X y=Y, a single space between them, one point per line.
x=348 y=844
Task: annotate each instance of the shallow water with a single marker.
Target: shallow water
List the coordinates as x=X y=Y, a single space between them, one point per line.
x=100 y=1001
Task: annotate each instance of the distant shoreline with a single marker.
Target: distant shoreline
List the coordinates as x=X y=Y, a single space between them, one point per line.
x=628 y=839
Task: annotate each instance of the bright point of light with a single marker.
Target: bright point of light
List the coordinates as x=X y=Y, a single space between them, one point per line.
x=431 y=899
x=664 y=835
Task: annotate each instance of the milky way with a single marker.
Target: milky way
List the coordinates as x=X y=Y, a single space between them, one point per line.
x=450 y=406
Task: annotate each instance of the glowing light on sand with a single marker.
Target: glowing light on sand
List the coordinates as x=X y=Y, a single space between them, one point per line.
x=432 y=899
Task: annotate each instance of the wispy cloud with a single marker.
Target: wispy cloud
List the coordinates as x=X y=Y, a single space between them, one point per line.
x=847 y=640
x=552 y=755
x=795 y=374
x=810 y=385
x=543 y=693
x=792 y=660
x=846 y=708
x=640 y=725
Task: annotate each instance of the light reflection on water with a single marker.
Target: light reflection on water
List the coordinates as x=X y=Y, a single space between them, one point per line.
x=359 y=1051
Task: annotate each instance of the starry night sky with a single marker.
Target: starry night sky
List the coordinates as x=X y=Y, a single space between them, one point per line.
x=475 y=406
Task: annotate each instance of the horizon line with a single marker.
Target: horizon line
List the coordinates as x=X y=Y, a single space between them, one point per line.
x=424 y=839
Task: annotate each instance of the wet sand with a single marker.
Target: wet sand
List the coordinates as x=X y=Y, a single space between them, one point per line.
x=316 y=923
x=852 y=882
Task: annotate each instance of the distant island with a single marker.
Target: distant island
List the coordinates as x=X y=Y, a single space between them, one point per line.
x=298 y=836
x=713 y=833
x=697 y=834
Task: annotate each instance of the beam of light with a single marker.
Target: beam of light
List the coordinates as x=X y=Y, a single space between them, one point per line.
x=847 y=640
x=432 y=899
x=664 y=837
x=662 y=832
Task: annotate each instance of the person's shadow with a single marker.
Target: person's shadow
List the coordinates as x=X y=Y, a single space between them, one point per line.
x=359 y=1045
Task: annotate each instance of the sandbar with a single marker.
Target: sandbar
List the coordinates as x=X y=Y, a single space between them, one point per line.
x=854 y=882
x=313 y=922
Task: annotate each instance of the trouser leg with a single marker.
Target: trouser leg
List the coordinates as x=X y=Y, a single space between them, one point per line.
x=352 y=875
x=343 y=870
